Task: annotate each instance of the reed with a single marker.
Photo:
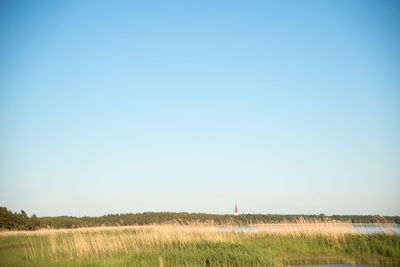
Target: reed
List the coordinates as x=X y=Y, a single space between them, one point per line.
x=199 y=244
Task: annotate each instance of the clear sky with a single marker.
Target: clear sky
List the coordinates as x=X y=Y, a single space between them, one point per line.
x=283 y=107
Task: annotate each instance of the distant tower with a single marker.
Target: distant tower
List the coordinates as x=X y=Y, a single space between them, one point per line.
x=236 y=211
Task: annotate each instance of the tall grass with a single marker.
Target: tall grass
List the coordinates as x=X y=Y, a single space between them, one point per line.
x=199 y=245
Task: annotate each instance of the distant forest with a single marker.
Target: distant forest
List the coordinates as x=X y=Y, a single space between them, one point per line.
x=21 y=221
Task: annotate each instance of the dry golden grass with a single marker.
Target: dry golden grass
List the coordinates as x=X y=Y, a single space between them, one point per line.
x=121 y=240
x=311 y=226
x=106 y=241
x=198 y=243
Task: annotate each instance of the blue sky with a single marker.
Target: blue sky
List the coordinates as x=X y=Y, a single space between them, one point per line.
x=286 y=107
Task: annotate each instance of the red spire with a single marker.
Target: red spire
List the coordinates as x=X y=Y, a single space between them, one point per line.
x=236 y=211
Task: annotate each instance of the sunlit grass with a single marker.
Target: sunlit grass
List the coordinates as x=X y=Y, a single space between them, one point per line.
x=198 y=245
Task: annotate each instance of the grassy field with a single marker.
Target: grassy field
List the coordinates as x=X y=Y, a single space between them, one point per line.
x=195 y=245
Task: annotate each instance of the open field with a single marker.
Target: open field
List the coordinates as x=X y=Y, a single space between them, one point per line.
x=196 y=245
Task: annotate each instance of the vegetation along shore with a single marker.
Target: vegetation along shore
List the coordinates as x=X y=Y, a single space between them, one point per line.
x=182 y=239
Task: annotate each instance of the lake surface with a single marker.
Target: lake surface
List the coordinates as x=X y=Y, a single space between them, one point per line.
x=377 y=228
x=363 y=229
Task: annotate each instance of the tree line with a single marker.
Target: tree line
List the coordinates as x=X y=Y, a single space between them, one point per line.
x=21 y=221
x=18 y=221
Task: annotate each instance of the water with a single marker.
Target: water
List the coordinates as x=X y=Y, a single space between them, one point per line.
x=363 y=229
x=369 y=229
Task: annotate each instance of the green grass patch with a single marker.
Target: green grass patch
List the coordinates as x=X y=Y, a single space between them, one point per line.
x=139 y=248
